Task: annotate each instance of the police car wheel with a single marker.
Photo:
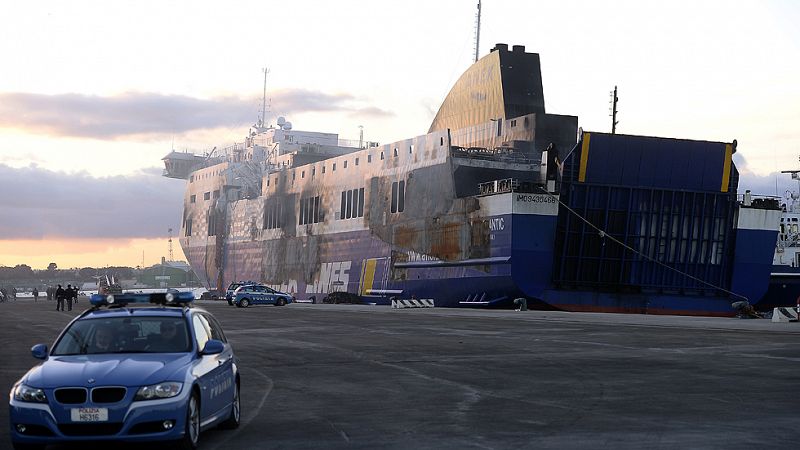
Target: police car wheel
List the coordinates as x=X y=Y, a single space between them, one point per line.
x=236 y=411
x=280 y=302
x=244 y=303
x=191 y=434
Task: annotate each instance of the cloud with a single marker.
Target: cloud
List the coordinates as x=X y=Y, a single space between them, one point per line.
x=137 y=113
x=39 y=203
x=774 y=184
x=372 y=111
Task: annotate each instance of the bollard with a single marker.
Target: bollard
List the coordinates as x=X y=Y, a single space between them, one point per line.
x=521 y=304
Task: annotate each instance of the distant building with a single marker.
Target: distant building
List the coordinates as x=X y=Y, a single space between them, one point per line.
x=168 y=274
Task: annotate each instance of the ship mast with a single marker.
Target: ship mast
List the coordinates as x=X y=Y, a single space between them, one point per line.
x=262 y=121
x=613 y=111
x=478 y=31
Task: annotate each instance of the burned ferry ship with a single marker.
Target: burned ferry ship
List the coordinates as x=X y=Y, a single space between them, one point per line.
x=498 y=201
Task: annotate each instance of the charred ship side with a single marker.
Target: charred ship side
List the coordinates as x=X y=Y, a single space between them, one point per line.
x=499 y=200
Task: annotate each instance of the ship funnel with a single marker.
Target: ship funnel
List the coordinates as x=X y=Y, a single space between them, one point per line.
x=503 y=47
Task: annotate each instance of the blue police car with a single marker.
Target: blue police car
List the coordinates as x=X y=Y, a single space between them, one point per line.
x=232 y=289
x=131 y=371
x=258 y=294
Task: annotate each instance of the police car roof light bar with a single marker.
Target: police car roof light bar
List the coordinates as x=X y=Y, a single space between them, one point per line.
x=161 y=298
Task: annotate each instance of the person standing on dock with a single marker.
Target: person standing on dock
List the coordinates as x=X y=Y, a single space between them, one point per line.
x=60 y=294
x=35 y=293
x=70 y=294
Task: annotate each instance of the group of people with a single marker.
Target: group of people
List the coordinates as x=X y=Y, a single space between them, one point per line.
x=8 y=293
x=68 y=295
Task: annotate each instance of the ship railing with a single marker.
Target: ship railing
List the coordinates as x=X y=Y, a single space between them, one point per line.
x=356 y=143
x=759 y=201
x=504 y=154
x=507 y=185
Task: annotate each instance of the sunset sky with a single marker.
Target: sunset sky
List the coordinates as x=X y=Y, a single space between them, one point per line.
x=94 y=93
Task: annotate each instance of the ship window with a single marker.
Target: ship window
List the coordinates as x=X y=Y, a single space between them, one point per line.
x=345 y=164
x=361 y=202
x=369 y=159
x=356 y=161
x=401 y=196
x=398 y=196
x=349 y=213
x=272 y=215
x=207 y=196
x=395 y=152
x=188 y=231
x=212 y=222
x=216 y=194
x=352 y=204
x=394 y=197
x=302 y=211
x=344 y=203
x=192 y=198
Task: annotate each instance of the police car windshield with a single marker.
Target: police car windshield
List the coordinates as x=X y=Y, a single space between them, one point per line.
x=125 y=335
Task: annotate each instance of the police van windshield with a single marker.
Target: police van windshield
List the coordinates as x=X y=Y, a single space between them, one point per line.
x=125 y=335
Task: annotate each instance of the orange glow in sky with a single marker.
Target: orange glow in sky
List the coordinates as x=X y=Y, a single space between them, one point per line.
x=68 y=253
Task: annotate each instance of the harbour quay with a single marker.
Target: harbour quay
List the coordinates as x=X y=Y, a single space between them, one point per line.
x=369 y=376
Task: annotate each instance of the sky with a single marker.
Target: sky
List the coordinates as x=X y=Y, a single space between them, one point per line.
x=94 y=93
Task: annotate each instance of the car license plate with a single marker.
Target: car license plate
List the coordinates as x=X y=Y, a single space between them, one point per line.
x=89 y=414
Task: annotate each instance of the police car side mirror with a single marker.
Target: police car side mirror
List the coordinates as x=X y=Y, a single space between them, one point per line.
x=213 y=347
x=39 y=351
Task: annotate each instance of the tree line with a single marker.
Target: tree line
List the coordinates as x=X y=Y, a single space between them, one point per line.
x=25 y=272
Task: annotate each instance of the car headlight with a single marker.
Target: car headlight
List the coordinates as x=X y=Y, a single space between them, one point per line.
x=25 y=393
x=161 y=390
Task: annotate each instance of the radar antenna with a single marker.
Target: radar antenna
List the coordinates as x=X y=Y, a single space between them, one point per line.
x=478 y=31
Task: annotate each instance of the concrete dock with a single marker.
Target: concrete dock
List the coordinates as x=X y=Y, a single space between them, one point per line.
x=352 y=376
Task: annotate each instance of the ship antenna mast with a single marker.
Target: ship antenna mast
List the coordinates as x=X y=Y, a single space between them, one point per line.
x=264 y=100
x=478 y=31
x=613 y=110
x=171 y=256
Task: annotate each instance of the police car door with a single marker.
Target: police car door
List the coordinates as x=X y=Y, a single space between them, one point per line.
x=269 y=295
x=212 y=371
x=258 y=294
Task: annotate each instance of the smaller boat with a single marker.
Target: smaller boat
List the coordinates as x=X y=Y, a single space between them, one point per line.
x=784 y=283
